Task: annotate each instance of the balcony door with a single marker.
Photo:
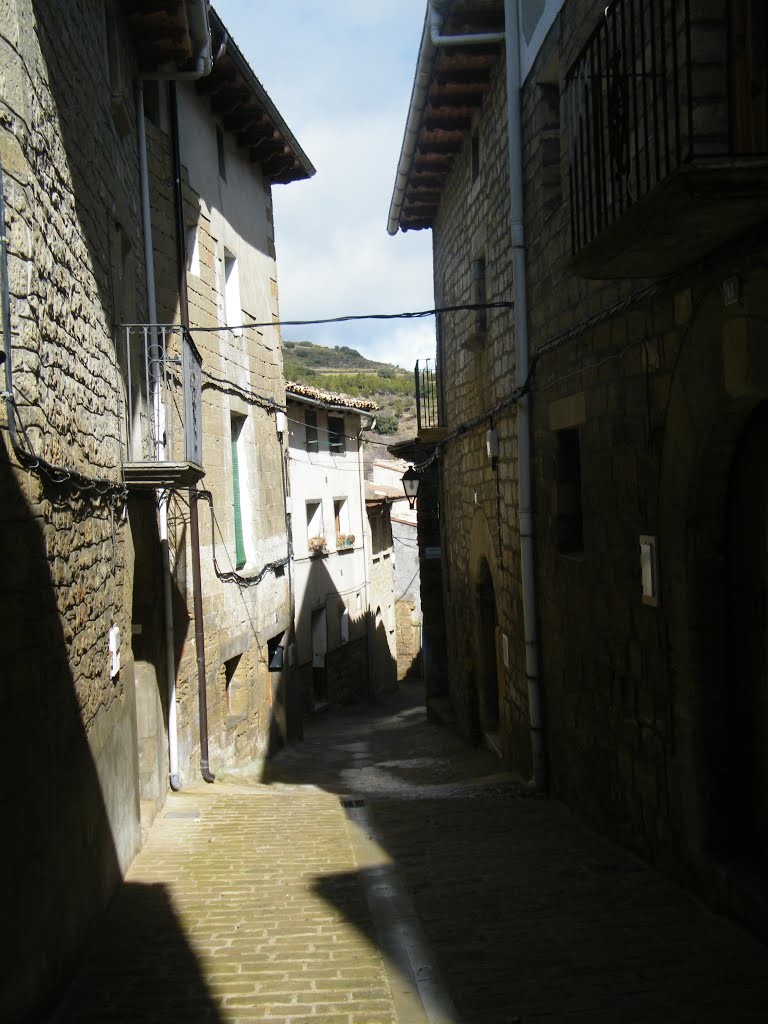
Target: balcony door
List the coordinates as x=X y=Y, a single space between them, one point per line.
x=749 y=76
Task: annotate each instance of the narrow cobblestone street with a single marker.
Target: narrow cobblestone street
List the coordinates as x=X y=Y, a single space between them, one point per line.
x=383 y=872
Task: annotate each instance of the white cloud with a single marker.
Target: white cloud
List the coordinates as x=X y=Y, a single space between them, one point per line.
x=341 y=74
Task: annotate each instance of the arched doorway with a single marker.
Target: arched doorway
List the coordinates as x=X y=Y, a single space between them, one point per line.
x=746 y=548
x=486 y=660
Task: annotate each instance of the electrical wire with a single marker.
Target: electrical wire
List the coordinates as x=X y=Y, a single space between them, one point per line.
x=412 y=315
x=235 y=577
x=555 y=343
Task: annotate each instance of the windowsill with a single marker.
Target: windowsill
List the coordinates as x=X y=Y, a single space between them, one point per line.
x=346 y=548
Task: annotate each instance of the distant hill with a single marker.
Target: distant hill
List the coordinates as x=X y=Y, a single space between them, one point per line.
x=348 y=372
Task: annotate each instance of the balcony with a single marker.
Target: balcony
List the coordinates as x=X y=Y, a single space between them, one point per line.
x=668 y=138
x=162 y=439
x=427 y=402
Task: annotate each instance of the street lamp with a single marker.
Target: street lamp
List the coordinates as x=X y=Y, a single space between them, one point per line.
x=411 y=481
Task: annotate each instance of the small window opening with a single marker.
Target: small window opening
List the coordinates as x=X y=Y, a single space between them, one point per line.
x=315 y=533
x=193 y=250
x=336 y=439
x=310 y=430
x=221 y=153
x=341 y=520
x=233 y=314
x=276 y=653
x=570 y=521
x=475 y=157
x=236 y=431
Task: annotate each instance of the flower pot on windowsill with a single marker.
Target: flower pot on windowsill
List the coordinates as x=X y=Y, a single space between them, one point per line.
x=317 y=545
x=345 y=540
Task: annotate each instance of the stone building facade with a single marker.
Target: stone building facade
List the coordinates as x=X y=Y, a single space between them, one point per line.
x=646 y=300
x=84 y=639
x=330 y=546
x=386 y=480
x=382 y=576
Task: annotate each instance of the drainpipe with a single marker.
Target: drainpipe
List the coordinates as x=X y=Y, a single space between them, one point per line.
x=437 y=9
x=364 y=523
x=162 y=495
x=525 y=484
x=194 y=517
x=201 y=35
x=431 y=39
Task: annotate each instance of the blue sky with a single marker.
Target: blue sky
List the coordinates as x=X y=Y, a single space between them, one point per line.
x=340 y=72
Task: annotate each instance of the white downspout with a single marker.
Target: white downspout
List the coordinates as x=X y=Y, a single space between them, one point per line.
x=438 y=39
x=370 y=625
x=203 y=65
x=525 y=488
x=162 y=496
x=432 y=38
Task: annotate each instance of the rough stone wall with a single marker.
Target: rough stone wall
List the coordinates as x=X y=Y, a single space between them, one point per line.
x=347 y=669
x=655 y=395
x=408 y=640
x=478 y=371
x=407 y=599
x=242 y=371
x=382 y=599
x=71 y=193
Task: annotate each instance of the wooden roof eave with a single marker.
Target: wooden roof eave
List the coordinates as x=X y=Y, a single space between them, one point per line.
x=459 y=80
x=237 y=97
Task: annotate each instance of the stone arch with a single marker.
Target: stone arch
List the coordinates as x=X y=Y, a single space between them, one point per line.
x=709 y=404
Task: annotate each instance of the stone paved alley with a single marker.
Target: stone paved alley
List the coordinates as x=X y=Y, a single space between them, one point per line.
x=384 y=872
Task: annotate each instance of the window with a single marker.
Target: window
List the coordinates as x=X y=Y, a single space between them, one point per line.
x=237 y=424
x=310 y=430
x=233 y=314
x=475 y=157
x=336 y=439
x=570 y=523
x=315 y=532
x=193 y=250
x=340 y=515
x=220 y=152
x=344 y=539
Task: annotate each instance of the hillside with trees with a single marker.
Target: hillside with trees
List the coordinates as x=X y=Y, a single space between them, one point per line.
x=348 y=372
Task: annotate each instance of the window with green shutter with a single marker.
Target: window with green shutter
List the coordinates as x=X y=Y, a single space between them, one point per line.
x=236 y=428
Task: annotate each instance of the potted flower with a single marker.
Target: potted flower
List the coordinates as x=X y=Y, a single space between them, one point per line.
x=345 y=540
x=316 y=545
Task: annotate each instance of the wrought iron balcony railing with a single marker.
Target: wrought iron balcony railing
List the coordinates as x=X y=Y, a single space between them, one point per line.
x=163 y=405
x=427 y=404
x=653 y=94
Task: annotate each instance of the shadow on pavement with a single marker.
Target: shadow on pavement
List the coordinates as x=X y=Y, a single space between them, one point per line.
x=530 y=915
x=140 y=967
